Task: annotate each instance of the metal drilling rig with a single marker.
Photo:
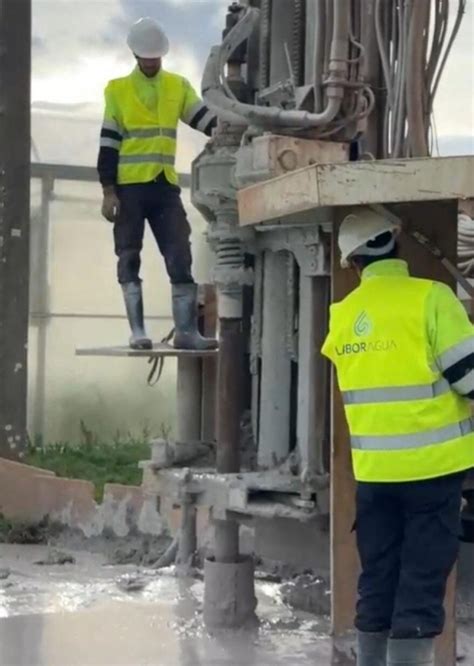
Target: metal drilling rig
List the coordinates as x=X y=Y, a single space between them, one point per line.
x=323 y=104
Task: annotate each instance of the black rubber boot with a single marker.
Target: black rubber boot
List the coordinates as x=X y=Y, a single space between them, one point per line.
x=410 y=652
x=132 y=294
x=372 y=648
x=185 y=314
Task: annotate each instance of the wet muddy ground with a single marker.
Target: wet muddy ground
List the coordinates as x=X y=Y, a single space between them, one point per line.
x=77 y=615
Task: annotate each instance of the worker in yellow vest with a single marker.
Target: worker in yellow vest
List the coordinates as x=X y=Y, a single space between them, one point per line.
x=403 y=349
x=136 y=167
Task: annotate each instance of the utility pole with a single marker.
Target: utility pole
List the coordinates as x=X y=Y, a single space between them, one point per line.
x=15 y=74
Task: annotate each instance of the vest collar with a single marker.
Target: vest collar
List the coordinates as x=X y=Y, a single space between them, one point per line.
x=138 y=76
x=386 y=268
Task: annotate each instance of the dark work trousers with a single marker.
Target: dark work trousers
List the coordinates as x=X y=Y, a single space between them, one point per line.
x=408 y=542
x=159 y=202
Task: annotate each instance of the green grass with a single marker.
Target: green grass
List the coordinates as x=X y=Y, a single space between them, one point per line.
x=94 y=460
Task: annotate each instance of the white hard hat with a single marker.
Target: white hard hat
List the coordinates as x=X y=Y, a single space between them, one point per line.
x=147 y=39
x=363 y=225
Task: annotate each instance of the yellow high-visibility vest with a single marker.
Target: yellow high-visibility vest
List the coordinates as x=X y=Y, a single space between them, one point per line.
x=146 y=138
x=405 y=421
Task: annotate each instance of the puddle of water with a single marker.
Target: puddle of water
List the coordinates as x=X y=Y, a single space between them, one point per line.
x=163 y=624
x=80 y=617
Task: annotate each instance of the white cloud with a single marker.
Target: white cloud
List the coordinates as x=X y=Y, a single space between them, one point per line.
x=70 y=64
x=454 y=107
x=75 y=53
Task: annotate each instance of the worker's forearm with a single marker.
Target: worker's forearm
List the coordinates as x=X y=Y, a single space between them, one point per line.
x=107 y=166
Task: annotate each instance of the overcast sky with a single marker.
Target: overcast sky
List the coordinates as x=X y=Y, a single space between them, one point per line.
x=78 y=46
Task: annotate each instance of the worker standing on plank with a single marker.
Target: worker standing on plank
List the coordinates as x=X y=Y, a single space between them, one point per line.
x=403 y=349
x=137 y=171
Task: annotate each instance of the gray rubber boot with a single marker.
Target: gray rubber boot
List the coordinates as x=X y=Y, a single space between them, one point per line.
x=185 y=314
x=372 y=648
x=132 y=294
x=410 y=652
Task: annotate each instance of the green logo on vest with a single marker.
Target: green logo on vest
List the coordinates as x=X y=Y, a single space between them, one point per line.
x=363 y=325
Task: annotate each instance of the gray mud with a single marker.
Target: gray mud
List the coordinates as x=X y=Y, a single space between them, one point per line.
x=84 y=615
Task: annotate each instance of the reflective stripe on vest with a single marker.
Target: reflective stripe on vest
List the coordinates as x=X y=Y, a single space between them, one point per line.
x=110 y=135
x=199 y=116
x=396 y=393
x=112 y=126
x=107 y=142
x=151 y=158
x=194 y=110
x=465 y=385
x=455 y=354
x=150 y=133
x=415 y=441
x=406 y=422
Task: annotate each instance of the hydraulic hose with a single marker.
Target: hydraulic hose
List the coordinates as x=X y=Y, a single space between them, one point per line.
x=272 y=115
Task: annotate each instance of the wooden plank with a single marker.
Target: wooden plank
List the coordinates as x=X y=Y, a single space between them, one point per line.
x=159 y=350
x=437 y=220
x=356 y=183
